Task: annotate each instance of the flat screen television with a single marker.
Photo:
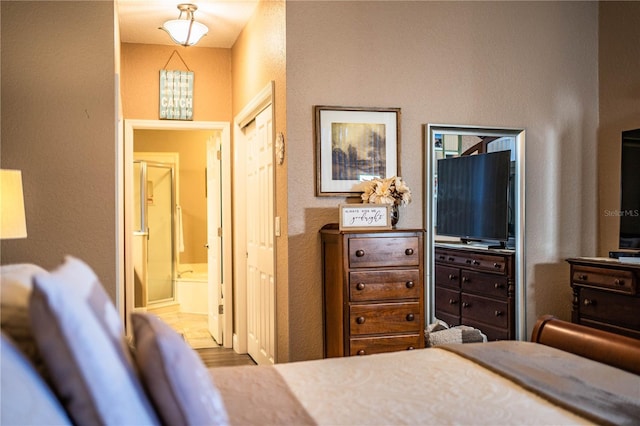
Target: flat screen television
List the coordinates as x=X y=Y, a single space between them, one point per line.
x=630 y=191
x=472 y=197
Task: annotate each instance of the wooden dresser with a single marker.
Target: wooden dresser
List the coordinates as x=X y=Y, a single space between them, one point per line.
x=475 y=287
x=373 y=291
x=605 y=295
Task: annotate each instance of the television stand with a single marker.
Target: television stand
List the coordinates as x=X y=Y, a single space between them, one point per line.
x=617 y=254
x=500 y=245
x=476 y=287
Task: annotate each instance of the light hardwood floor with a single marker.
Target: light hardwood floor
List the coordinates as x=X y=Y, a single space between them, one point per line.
x=223 y=357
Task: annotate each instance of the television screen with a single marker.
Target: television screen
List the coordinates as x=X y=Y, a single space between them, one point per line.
x=630 y=190
x=472 y=196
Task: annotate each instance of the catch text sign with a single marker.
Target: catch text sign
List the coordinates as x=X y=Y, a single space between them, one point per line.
x=176 y=95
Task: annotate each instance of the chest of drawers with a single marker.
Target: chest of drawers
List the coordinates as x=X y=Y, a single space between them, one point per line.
x=606 y=295
x=475 y=287
x=373 y=291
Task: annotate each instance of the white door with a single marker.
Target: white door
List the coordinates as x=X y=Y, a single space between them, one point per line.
x=214 y=239
x=260 y=239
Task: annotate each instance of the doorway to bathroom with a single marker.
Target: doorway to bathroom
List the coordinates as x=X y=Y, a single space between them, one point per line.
x=192 y=270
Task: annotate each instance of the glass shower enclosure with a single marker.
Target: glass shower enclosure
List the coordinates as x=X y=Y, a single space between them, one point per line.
x=154 y=233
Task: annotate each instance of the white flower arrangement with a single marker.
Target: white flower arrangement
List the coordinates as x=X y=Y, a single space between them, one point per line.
x=391 y=190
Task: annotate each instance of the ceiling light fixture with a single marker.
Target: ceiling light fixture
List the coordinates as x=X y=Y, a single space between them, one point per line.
x=185 y=31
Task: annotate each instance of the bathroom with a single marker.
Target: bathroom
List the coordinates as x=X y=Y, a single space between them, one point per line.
x=171 y=255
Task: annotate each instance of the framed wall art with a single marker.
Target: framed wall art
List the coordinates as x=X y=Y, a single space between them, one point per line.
x=355 y=144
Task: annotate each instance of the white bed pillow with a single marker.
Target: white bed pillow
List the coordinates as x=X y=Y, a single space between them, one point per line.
x=15 y=289
x=177 y=381
x=26 y=398
x=82 y=342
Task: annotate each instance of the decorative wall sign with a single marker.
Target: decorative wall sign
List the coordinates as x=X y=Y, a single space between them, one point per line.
x=176 y=95
x=365 y=216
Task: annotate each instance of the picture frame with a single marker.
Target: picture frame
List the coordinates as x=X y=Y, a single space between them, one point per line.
x=354 y=144
x=365 y=216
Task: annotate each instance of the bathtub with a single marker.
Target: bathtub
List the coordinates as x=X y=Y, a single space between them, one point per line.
x=192 y=291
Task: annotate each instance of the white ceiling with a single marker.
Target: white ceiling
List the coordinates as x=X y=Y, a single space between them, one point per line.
x=140 y=19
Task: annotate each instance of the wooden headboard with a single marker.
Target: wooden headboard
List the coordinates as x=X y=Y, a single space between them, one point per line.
x=609 y=348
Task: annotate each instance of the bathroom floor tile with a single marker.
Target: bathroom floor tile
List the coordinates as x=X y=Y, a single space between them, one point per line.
x=193 y=327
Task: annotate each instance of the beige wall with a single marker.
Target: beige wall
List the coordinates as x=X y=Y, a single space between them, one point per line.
x=191 y=146
x=258 y=57
x=141 y=65
x=514 y=64
x=59 y=127
x=619 y=107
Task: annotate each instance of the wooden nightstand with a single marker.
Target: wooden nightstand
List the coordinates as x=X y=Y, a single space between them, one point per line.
x=605 y=294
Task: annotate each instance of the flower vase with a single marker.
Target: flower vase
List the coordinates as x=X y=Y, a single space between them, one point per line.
x=395 y=215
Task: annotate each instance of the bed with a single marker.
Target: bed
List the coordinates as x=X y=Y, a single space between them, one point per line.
x=566 y=374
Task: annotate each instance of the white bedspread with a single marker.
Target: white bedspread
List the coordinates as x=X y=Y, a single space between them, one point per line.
x=411 y=388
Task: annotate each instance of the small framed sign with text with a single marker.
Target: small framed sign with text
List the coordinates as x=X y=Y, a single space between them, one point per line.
x=365 y=216
x=176 y=95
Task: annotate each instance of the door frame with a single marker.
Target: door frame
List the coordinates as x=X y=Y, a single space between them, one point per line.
x=250 y=111
x=227 y=221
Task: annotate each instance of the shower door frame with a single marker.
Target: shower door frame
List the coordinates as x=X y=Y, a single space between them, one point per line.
x=168 y=160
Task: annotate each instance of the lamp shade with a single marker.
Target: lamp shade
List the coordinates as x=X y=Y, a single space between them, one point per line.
x=185 y=32
x=12 y=218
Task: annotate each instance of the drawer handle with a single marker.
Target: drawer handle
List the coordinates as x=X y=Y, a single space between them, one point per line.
x=360 y=320
x=618 y=281
x=589 y=302
x=441 y=257
x=410 y=284
x=359 y=253
x=453 y=277
x=410 y=348
x=361 y=352
x=465 y=279
x=582 y=277
x=466 y=305
x=453 y=302
x=451 y=259
x=475 y=262
x=410 y=317
x=360 y=286
x=498 y=313
x=497 y=265
x=468 y=261
x=498 y=285
x=408 y=251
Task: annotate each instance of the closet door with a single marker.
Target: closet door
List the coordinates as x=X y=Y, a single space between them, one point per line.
x=260 y=239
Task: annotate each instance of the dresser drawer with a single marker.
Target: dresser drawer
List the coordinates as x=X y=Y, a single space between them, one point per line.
x=384 y=251
x=376 y=345
x=487 y=284
x=384 y=285
x=483 y=262
x=621 y=281
x=483 y=309
x=448 y=301
x=451 y=320
x=447 y=276
x=384 y=318
x=487 y=262
x=609 y=307
x=492 y=333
